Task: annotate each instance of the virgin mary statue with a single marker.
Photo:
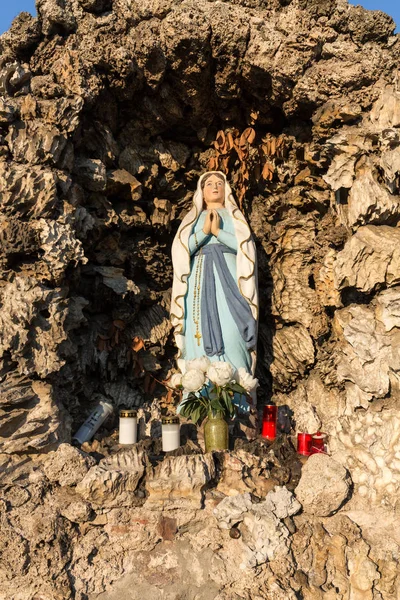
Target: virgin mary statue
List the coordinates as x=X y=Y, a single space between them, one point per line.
x=214 y=306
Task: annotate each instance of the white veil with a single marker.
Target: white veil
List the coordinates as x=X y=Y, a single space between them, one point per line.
x=246 y=265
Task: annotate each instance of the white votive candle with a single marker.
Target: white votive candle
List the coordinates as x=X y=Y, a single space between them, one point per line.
x=127 y=426
x=171 y=434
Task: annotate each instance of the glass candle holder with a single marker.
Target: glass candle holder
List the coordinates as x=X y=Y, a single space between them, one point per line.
x=171 y=434
x=304 y=442
x=318 y=443
x=127 y=426
x=268 y=430
x=93 y=422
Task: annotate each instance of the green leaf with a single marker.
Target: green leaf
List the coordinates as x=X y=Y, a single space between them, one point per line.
x=216 y=405
x=203 y=414
x=236 y=387
x=194 y=407
x=222 y=401
x=195 y=416
x=185 y=411
x=213 y=393
x=228 y=402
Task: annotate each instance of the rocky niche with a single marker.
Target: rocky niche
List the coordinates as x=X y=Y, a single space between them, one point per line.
x=181 y=524
x=109 y=112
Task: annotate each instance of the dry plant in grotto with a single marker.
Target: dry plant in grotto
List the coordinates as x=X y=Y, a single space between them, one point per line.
x=255 y=162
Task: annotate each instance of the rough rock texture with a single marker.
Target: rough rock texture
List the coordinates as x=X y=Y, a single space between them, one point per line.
x=109 y=112
x=337 y=561
x=370 y=445
x=323 y=487
x=179 y=482
x=243 y=472
x=114 y=480
x=108 y=115
x=136 y=511
x=370 y=259
x=67 y=466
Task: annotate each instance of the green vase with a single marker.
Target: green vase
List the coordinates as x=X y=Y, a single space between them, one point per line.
x=216 y=436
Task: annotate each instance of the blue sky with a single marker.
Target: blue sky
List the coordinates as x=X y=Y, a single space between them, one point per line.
x=10 y=8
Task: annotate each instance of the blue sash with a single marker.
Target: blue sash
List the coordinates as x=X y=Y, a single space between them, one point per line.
x=238 y=306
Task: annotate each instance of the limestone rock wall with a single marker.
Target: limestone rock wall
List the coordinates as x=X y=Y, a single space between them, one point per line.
x=124 y=523
x=108 y=114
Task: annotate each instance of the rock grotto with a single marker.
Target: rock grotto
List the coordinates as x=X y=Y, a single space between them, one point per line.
x=109 y=112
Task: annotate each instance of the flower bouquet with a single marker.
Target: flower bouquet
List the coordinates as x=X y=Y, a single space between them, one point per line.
x=210 y=389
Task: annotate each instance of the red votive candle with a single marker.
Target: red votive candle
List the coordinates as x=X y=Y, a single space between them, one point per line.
x=304 y=443
x=269 y=422
x=318 y=443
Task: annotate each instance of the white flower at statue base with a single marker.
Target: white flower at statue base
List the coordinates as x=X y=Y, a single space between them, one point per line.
x=193 y=380
x=220 y=373
x=246 y=380
x=200 y=364
x=176 y=380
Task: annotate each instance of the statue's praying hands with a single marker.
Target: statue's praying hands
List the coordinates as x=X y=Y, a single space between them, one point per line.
x=215 y=222
x=207 y=223
x=212 y=223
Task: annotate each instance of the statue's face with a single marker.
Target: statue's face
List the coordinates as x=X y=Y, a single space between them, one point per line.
x=214 y=191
